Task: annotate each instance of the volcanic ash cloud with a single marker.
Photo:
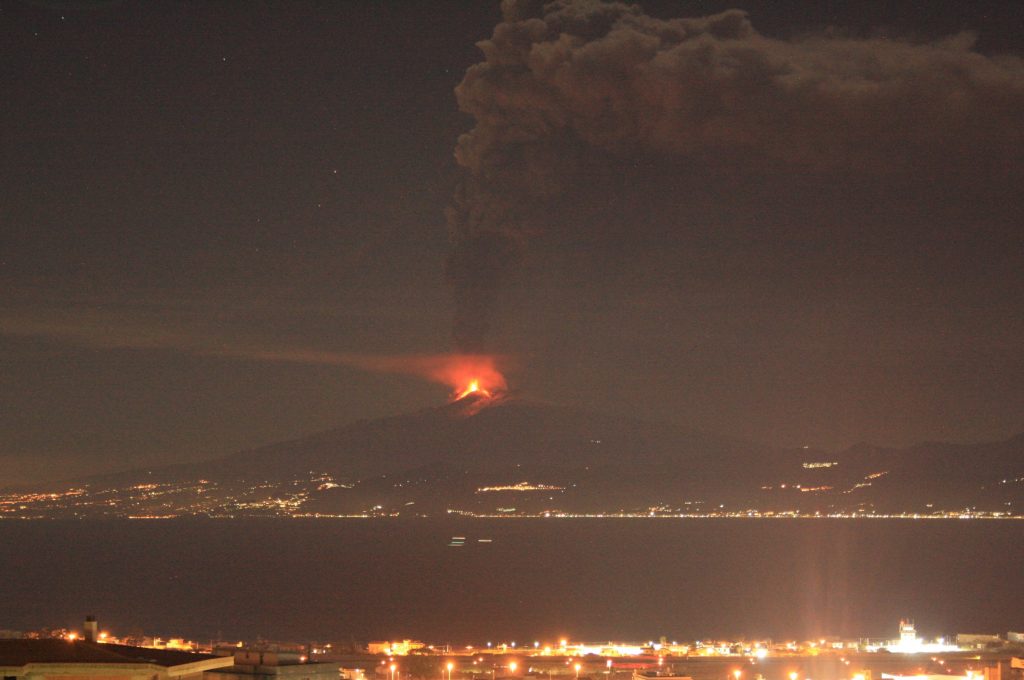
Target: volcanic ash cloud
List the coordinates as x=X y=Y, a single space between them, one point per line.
x=567 y=87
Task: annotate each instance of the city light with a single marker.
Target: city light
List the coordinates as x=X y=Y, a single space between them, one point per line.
x=656 y=657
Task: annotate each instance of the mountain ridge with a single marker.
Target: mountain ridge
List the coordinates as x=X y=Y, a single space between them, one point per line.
x=469 y=455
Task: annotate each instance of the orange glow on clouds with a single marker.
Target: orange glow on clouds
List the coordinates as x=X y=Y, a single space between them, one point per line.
x=465 y=374
x=472 y=388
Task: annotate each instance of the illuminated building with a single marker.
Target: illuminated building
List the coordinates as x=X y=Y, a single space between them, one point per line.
x=978 y=641
x=402 y=648
x=997 y=671
x=909 y=643
x=889 y=676
x=254 y=664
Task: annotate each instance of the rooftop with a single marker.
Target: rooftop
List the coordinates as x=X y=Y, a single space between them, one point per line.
x=21 y=652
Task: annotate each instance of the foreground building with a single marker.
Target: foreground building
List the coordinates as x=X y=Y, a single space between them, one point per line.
x=57 y=659
x=249 y=664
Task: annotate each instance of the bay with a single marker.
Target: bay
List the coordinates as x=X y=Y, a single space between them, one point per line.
x=469 y=581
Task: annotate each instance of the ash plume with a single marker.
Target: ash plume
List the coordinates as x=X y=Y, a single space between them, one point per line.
x=572 y=90
x=106 y=331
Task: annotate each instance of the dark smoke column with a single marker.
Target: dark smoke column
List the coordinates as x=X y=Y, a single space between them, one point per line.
x=477 y=264
x=512 y=166
x=571 y=91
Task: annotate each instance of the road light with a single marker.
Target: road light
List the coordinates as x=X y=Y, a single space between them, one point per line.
x=512 y=666
x=450 y=666
x=608 y=664
x=578 y=666
x=793 y=675
x=737 y=673
x=392 y=668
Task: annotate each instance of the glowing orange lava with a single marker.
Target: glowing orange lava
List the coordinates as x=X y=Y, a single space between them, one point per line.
x=472 y=388
x=473 y=375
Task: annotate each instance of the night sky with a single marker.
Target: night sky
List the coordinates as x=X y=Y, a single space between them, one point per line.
x=802 y=226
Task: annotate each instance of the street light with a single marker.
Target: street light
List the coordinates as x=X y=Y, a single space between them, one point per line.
x=608 y=664
x=392 y=668
x=737 y=673
x=578 y=667
x=793 y=675
x=512 y=666
x=450 y=667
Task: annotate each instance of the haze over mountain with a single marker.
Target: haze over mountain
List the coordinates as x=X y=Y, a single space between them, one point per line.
x=513 y=456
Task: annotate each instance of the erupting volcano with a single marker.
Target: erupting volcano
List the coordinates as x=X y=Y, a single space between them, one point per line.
x=467 y=375
x=475 y=376
x=472 y=388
